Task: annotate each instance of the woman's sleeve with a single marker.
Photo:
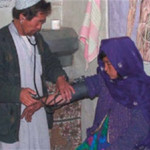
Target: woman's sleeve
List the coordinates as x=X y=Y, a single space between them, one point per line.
x=94 y=85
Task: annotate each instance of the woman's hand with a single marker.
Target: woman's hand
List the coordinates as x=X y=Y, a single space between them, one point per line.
x=54 y=99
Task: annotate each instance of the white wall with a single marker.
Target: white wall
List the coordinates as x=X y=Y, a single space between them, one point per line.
x=5 y=11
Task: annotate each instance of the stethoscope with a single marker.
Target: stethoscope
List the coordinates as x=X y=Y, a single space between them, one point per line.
x=34 y=69
x=56 y=106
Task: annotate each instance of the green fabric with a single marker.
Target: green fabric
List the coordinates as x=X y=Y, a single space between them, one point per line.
x=105 y=127
x=97 y=141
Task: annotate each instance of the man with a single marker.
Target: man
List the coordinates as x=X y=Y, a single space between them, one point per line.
x=25 y=63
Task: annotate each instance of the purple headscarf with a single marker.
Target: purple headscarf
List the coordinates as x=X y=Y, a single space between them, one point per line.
x=133 y=85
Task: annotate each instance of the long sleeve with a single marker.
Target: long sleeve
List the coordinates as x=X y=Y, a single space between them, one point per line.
x=94 y=84
x=52 y=68
x=9 y=69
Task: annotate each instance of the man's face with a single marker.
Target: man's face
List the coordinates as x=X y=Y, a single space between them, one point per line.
x=30 y=27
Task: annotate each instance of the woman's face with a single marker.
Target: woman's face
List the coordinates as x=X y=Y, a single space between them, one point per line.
x=109 y=69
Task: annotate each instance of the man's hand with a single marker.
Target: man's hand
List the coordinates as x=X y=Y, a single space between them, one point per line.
x=51 y=100
x=30 y=110
x=64 y=88
x=26 y=96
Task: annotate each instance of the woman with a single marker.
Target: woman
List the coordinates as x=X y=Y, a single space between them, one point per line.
x=121 y=67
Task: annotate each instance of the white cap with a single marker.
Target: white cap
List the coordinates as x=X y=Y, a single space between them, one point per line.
x=23 y=4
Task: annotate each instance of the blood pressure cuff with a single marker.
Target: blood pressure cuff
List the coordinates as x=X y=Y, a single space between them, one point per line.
x=81 y=91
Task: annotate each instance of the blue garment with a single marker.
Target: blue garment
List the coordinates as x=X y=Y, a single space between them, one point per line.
x=130 y=89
